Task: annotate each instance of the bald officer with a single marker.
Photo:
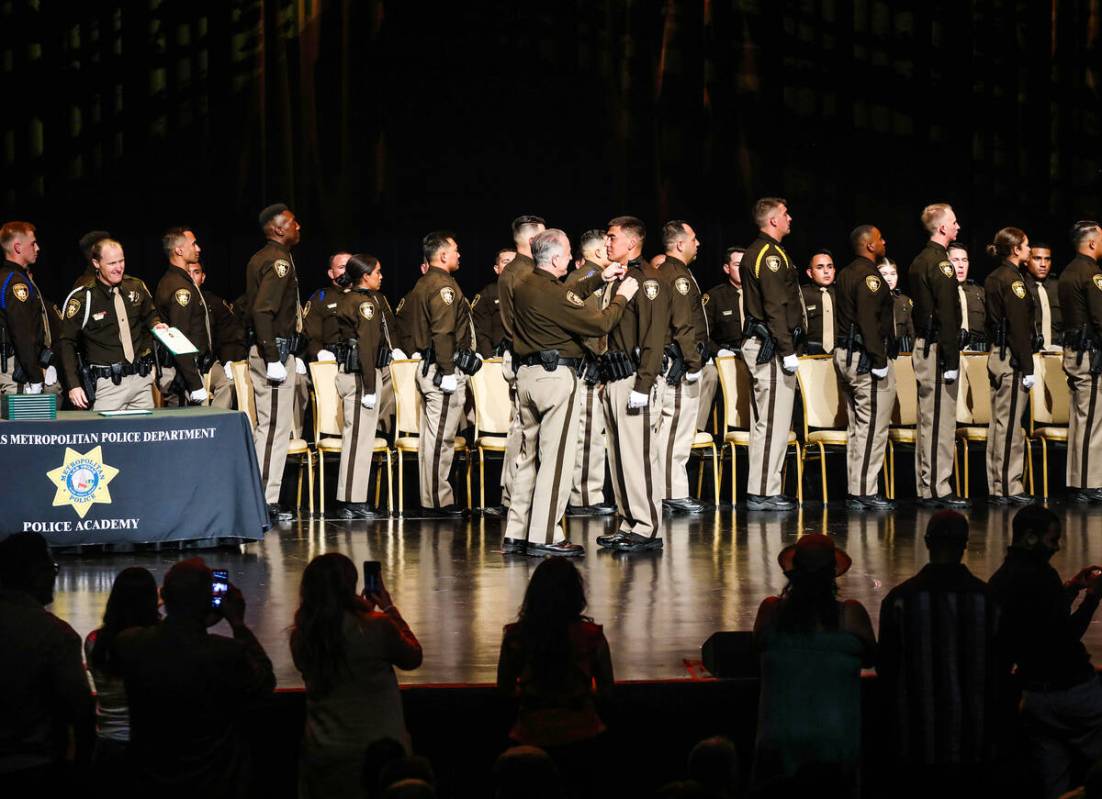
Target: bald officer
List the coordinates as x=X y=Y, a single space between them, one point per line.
x=549 y=323
x=774 y=319
x=865 y=322
x=937 y=320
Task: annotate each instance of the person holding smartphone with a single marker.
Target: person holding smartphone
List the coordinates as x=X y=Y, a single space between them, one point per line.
x=346 y=645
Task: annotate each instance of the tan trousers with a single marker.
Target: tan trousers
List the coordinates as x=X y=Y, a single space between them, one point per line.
x=302 y=399
x=675 y=436
x=357 y=438
x=549 y=431
x=633 y=457
x=774 y=393
x=440 y=417
x=132 y=393
x=1084 y=427
x=869 y=407
x=709 y=383
x=589 y=467
x=9 y=386
x=385 y=404
x=221 y=390
x=1005 y=437
x=513 y=437
x=937 y=424
x=272 y=435
x=170 y=397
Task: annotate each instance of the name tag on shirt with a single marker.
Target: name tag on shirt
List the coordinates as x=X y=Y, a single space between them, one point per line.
x=812 y=307
x=331 y=305
x=100 y=315
x=727 y=313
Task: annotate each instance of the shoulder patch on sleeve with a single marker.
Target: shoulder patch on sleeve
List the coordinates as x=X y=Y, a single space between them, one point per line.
x=21 y=291
x=183 y=297
x=682 y=285
x=447 y=294
x=873 y=283
x=1018 y=287
x=773 y=262
x=73 y=308
x=574 y=299
x=650 y=288
x=704 y=299
x=281 y=267
x=1097 y=282
x=367 y=310
x=946 y=268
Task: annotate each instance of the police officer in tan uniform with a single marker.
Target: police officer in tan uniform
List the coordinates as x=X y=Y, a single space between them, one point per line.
x=1009 y=317
x=1044 y=286
x=936 y=357
x=275 y=319
x=587 y=493
x=486 y=312
x=549 y=322
x=864 y=326
x=353 y=334
x=774 y=322
x=26 y=334
x=229 y=341
x=106 y=345
x=631 y=368
x=973 y=304
x=439 y=330
x=181 y=305
x=681 y=397
x=1081 y=303
x=724 y=319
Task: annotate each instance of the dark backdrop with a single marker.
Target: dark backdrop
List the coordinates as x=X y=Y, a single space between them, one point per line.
x=379 y=121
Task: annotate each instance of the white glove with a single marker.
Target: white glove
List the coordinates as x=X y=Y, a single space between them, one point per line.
x=300 y=366
x=368 y=401
x=692 y=377
x=949 y=376
x=790 y=363
x=198 y=395
x=880 y=374
x=725 y=353
x=415 y=357
x=324 y=355
x=448 y=383
x=51 y=376
x=398 y=355
x=277 y=372
x=32 y=388
x=479 y=357
x=227 y=367
x=637 y=399
x=1028 y=381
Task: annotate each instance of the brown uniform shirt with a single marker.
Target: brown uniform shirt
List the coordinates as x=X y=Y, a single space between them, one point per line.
x=975 y=299
x=486 y=313
x=226 y=328
x=813 y=302
x=549 y=315
x=514 y=272
x=1081 y=299
x=86 y=277
x=721 y=307
x=687 y=325
x=271 y=297
x=1050 y=286
x=90 y=325
x=863 y=302
x=438 y=316
x=901 y=313
x=644 y=324
x=358 y=315
x=934 y=283
x=22 y=316
x=771 y=291
x=1010 y=303
x=595 y=344
x=321 y=305
x=389 y=322
x=181 y=305
x=402 y=315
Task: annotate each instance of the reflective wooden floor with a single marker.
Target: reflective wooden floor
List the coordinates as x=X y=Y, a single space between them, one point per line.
x=457 y=591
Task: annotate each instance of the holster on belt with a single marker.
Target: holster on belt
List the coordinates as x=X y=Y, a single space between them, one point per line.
x=590 y=370
x=428 y=358
x=87 y=382
x=676 y=369
x=286 y=346
x=1000 y=339
x=116 y=373
x=348 y=356
x=929 y=333
x=755 y=328
x=1096 y=361
x=549 y=360
x=383 y=357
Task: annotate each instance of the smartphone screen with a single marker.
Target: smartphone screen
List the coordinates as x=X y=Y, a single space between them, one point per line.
x=373 y=570
x=220 y=584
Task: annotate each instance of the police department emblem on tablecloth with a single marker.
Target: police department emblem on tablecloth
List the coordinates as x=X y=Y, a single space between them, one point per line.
x=82 y=480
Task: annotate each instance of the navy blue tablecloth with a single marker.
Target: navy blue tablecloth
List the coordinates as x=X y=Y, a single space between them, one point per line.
x=181 y=475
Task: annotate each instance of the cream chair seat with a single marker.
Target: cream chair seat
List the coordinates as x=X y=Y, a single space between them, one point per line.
x=825 y=417
x=491 y=416
x=1049 y=409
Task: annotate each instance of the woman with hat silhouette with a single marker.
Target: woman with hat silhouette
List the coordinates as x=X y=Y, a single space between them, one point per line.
x=812 y=647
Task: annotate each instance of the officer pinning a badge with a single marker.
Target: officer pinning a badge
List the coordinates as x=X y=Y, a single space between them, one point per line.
x=26 y=340
x=549 y=322
x=861 y=355
x=275 y=320
x=936 y=358
x=181 y=305
x=633 y=393
x=106 y=345
x=774 y=325
x=354 y=337
x=1081 y=303
x=1009 y=315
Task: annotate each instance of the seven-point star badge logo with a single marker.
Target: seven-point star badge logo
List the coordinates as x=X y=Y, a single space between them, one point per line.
x=82 y=480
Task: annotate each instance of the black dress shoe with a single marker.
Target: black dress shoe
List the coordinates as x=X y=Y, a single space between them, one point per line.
x=600 y=509
x=776 y=502
x=446 y=512
x=1085 y=496
x=869 y=502
x=496 y=511
x=355 y=510
x=603 y=509
x=683 y=505
x=633 y=542
x=560 y=549
x=513 y=546
x=575 y=511
x=951 y=501
x=609 y=539
x=278 y=514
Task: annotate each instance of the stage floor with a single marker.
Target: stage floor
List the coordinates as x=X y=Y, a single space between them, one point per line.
x=457 y=591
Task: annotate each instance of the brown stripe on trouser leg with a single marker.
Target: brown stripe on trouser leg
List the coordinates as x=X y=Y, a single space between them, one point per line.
x=675 y=436
x=436 y=448
x=589 y=473
x=936 y=428
x=357 y=439
x=524 y=477
x=774 y=392
x=556 y=398
x=667 y=437
x=655 y=513
x=1079 y=381
x=512 y=444
x=612 y=394
x=272 y=436
x=637 y=466
x=581 y=474
x=354 y=438
x=1005 y=446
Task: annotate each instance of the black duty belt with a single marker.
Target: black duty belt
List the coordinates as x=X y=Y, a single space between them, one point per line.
x=549 y=361
x=116 y=371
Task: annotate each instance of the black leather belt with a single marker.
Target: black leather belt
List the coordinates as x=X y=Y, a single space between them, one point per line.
x=538 y=359
x=142 y=366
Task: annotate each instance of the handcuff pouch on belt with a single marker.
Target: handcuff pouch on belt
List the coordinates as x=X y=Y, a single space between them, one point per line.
x=616 y=365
